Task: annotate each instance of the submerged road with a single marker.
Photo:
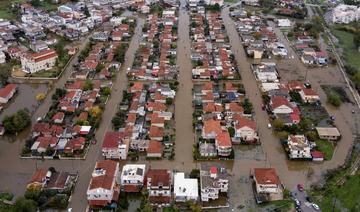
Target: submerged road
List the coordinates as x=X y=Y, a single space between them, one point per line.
x=15 y=172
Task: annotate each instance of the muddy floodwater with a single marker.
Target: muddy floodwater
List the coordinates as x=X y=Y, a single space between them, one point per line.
x=24 y=98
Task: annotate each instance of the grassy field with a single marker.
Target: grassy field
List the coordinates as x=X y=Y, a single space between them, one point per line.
x=326 y=147
x=346 y=42
x=7 y=13
x=5 y=8
x=343 y=197
x=346 y=196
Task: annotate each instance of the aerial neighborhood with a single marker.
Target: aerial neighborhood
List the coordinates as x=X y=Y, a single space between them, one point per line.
x=179 y=105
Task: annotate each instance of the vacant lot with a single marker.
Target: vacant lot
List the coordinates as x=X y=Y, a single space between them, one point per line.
x=346 y=42
x=326 y=147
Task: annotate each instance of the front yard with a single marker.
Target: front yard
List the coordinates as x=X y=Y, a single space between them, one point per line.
x=326 y=147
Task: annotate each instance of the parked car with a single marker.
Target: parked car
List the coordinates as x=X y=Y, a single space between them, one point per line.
x=300 y=187
x=269 y=126
x=315 y=206
x=297 y=202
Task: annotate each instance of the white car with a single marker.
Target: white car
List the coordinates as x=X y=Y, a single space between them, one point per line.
x=315 y=206
x=269 y=126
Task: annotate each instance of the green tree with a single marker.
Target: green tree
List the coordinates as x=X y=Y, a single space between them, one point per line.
x=88 y=85
x=231 y=131
x=334 y=99
x=106 y=91
x=248 y=107
x=277 y=124
x=17 y=122
x=35 y=3
x=357 y=39
x=169 y=101
x=99 y=67
x=86 y=11
x=25 y=205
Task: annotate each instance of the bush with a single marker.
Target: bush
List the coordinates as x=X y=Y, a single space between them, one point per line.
x=334 y=99
x=17 y=122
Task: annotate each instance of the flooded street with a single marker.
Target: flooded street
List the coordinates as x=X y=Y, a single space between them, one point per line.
x=293 y=172
x=183 y=104
x=14 y=175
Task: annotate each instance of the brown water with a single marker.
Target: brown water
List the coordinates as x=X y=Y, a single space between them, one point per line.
x=24 y=98
x=14 y=172
x=293 y=172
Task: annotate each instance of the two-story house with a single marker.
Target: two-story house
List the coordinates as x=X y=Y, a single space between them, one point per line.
x=268 y=185
x=133 y=177
x=185 y=189
x=103 y=189
x=299 y=147
x=115 y=146
x=159 y=184
x=214 y=179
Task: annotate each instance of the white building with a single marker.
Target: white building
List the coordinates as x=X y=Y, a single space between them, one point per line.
x=43 y=60
x=344 y=14
x=213 y=2
x=213 y=180
x=283 y=22
x=103 y=188
x=185 y=189
x=132 y=177
x=299 y=147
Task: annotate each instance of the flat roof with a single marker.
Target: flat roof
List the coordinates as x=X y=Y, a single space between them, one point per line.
x=328 y=131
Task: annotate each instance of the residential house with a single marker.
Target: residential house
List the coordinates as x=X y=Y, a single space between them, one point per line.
x=154 y=149
x=115 y=146
x=58 y=118
x=223 y=144
x=245 y=130
x=328 y=133
x=267 y=185
x=308 y=95
x=214 y=180
x=185 y=189
x=103 y=189
x=299 y=147
x=211 y=129
x=133 y=177
x=7 y=92
x=159 y=185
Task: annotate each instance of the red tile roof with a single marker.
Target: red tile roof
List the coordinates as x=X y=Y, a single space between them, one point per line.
x=43 y=55
x=38 y=176
x=112 y=139
x=156 y=132
x=104 y=181
x=277 y=101
x=155 y=147
x=212 y=126
x=266 y=176
x=244 y=122
x=223 y=139
x=5 y=91
x=159 y=177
